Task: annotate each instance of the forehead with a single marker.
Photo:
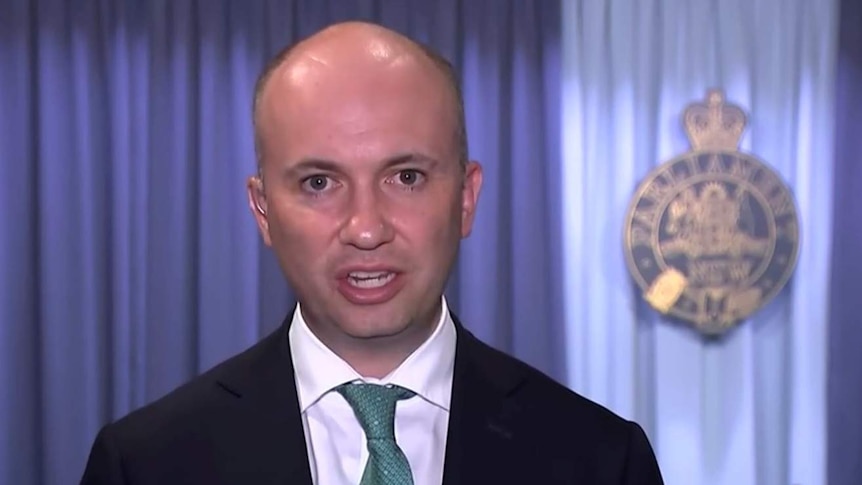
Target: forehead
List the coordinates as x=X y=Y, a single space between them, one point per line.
x=355 y=100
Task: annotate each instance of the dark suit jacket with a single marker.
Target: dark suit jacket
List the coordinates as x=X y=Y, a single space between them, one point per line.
x=240 y=423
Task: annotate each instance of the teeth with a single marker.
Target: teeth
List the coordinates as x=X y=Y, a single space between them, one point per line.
x=365 y=274
x=363 y=279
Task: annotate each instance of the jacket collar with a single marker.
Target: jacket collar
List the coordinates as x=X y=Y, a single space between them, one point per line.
x=480 y=434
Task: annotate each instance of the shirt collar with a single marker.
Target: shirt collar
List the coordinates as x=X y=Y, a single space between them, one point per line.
x=427 y=371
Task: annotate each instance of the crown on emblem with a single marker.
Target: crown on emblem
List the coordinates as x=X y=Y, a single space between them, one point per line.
x=714 y=124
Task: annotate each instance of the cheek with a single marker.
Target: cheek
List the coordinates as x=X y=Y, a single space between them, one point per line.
x=300 y=240
x=431 y=227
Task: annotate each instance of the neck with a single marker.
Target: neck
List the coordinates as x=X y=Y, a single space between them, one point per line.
x=376 y=357
x=375 y=363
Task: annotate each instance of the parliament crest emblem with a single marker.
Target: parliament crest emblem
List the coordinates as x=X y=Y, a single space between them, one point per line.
x=712 y=235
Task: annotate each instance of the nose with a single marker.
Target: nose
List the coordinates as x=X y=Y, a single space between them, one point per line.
x=367 y=225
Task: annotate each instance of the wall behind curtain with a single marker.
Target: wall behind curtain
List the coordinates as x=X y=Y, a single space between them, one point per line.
x=749 y=408
x=129 y=260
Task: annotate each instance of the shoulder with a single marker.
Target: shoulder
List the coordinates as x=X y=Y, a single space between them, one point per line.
x=559 y=428
x=549 y=404
x=201 y=401
x=180 y=437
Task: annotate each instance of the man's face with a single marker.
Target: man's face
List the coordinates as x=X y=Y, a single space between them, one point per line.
x=364 y=200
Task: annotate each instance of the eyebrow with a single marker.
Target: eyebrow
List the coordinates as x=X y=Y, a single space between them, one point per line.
x=427 y=161
x=313 y=164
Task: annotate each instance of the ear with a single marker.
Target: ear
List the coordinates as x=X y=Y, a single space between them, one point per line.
x=257 y=204
x=470 y=196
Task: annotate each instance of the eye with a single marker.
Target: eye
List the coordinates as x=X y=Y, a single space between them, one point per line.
x=317 y=183
x=409 y=177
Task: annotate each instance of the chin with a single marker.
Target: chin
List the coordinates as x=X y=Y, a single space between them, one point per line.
x=373 y=330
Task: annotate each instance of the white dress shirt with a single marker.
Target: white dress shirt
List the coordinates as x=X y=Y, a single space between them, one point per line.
x=337 y=452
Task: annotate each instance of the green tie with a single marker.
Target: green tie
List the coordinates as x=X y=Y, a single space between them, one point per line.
x=374 y=407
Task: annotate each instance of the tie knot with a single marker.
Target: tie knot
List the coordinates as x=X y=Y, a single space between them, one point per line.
x=374 y=407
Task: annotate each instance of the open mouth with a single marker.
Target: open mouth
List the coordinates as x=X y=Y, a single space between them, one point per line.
x=366 y=280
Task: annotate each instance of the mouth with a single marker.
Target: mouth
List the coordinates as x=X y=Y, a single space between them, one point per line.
x=369 y=286
x=369 y=279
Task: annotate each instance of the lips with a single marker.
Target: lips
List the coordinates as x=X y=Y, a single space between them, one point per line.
x=369 y=286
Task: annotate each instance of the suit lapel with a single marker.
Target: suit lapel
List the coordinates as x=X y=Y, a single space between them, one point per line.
x=263 y=441
x=481 y=436
x=266 y=441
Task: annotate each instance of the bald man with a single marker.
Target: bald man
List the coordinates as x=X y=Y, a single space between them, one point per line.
x=364 y=192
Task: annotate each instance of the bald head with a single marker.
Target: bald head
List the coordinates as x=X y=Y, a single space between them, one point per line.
x=345 y=55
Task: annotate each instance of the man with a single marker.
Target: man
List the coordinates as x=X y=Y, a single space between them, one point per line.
x=364 y=192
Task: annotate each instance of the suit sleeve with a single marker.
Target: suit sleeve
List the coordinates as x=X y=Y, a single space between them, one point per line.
x=104 y=465
x=641 y=466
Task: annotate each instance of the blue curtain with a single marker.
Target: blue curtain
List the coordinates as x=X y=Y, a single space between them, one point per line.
x=845 y=331
x=748 y=408
x=129 y=260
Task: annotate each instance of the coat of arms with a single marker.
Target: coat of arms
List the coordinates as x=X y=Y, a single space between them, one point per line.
x=712 y=235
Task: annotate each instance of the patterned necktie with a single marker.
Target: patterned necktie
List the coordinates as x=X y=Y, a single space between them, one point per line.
x=374 y=407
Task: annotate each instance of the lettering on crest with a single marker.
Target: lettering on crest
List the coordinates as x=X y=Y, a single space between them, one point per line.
x=693 y=166
x=714 y=164
x=646 y=215
x=657 y=191
x=766 y=184
x=669 y=177
x=789 y=231
x=780 y=204
x=740 y=168
x=640 y=235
